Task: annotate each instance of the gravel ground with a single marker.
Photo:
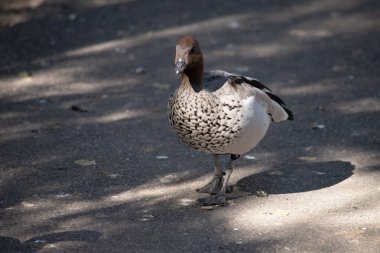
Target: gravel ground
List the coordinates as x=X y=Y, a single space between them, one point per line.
x=88 y=162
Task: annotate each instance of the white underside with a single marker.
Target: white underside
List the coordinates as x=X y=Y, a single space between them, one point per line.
x=255 y=125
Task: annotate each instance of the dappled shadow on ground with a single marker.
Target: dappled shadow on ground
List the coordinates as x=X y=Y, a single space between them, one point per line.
x=81 y=128
x=297 y=177
x=9 y=244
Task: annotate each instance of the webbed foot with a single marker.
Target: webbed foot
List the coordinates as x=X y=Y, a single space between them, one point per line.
x=212 y=187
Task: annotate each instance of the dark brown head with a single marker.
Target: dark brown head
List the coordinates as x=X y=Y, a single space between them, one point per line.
x=188 y=57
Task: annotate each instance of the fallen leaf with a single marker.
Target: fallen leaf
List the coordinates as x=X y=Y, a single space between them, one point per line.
x=84 y=162
x=261 y=194
x=208 y=208
x=109 y=174
x=307 y=158
x=149 y=149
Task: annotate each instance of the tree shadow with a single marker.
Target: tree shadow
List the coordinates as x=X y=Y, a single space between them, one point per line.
x=10 y=244
x=42 y=138
x=297 y=177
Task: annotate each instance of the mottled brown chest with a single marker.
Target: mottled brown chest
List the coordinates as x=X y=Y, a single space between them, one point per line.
x=204 y=122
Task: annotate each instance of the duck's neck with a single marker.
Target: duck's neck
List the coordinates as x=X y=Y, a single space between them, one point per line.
x=194 y=77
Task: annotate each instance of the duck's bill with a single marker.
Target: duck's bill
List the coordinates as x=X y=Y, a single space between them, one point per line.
x=179 y=67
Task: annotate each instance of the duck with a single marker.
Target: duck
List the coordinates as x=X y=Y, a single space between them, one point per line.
x=219 y=113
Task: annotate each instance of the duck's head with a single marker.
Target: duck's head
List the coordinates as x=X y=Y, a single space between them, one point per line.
x=188 y=55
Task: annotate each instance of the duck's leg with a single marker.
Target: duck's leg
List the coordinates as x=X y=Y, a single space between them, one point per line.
x=214 y=186
x=220 y=197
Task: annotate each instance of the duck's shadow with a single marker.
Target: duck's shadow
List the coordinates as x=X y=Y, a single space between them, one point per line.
x=294 y=178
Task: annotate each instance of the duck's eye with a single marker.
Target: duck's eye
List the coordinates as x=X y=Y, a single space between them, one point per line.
x=192 y=50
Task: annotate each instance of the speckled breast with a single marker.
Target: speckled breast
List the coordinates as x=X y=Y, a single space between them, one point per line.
x=203 y=122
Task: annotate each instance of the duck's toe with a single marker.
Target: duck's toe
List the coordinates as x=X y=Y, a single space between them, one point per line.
x=213 y=187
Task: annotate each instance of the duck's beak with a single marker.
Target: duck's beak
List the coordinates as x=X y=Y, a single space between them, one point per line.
x=180 y=66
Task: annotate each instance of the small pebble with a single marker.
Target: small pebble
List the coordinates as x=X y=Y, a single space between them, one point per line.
x=140 y=70
x=317 y=126
x=62 y=195
x=146 y=217
x=207 y=208
x=186 y=202
x=39 y=241
x=249 y=157
x=308 y=149
x=73 y=16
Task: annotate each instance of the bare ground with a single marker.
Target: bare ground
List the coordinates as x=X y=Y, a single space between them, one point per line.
x=88 y=162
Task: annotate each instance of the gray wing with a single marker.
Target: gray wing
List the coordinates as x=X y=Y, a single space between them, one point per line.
x=214 y=80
